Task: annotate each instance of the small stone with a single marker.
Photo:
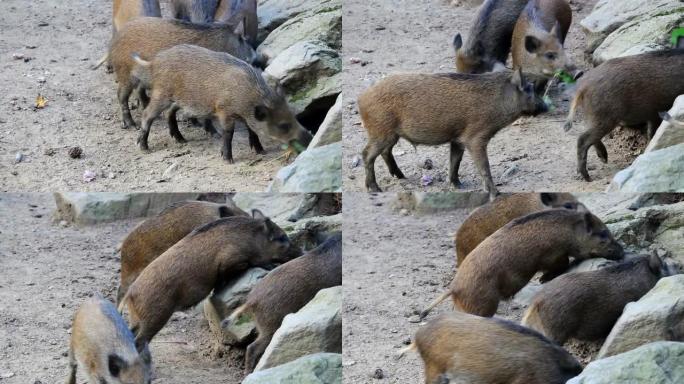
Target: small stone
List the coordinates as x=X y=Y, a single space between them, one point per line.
x=426 y=180
x=379 y=374
x=427 y=164
x=18 y=158
x=18 y=56
x=75 y=152
x=41 y=79
x=170 y=171
x=89 y=176
x=511 y=170
x=355 y=162
x=43 y=24
x=111 y=175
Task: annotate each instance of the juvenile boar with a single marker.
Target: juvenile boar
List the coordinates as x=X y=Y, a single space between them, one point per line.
x=628 y=91
x=157 y=234
x=286 y=290
x=586 y=305
x=247 y=9
x=219 y=87
x=489 y=38
x=488 y=218
x=506 y=261
x=103 y=346
x=203 y=261
x=124 y=11
x=462 y=348
x=148 y=36
x=196 y=11
x=431 y=109
x=539 y=36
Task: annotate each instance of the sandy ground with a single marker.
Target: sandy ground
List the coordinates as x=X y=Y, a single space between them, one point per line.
x=395 y=265
x=63 y=39
x=46 y=271
x=416 y=36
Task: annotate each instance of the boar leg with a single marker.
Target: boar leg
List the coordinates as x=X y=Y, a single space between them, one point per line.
x=71 y=379
x=143 y=98
x=601 y=151
x=173 y=125
x=586 y=140
x=373 y=149
x=123 y=94
x=478 y=150
x=254 y=142
x=456 y=155
x=391 y=163
x=153 y=110
x=256 y=350
x=227 y=125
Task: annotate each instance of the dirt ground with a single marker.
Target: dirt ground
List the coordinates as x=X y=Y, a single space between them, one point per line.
x=395 y=265
x=416 y=36
x=47 y=270
x=59 y=41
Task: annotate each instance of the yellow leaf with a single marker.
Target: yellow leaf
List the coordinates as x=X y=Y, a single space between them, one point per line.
x=40 y=101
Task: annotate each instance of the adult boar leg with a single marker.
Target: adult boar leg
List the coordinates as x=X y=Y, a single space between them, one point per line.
x=143 y=98
x=478 y=150
x=123 y=94
x=153 y=110
x=227 y=125
x=71 y=378
x=173 y=125
x=586 y=140
x=391 y=163
x=370 y=153
x=254 y=142
x=601 y=151
x=456 y=156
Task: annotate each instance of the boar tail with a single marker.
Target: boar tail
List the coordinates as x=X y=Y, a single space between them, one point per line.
x=102 y=61
x=136 y=57
x=573 y=108
x=122 y=304
x=435 y=303
x=411 y=348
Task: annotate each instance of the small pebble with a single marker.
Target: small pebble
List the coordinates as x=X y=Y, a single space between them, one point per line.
x=75 y=152
x=427 y=164
x=19 y=157
x=379 y=374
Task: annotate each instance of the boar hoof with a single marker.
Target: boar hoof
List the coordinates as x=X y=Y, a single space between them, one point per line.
x=143 y=146
x=374 y=188
x=584 y=175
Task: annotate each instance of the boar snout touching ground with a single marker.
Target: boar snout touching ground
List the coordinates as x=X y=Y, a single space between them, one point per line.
x=103 y=346
x=506 y=261
x=287 y=289
x=219 y=87
x=155 y=235
x=201 y=262
x=625 y=91
x=463 y=348
x=432 y=109
x=488 y=218
x=586 y=305
x=489 y=38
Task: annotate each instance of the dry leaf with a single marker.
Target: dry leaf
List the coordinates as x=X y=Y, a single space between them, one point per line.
x=40 y=102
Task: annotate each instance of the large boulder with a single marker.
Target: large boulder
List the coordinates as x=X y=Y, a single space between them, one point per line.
x=308 y=233
x=655 y=363
x=330 y=130
x=320 y=368
x=317 y=327
x=655 y=171
x=657 y=316
x=323 y=22
x=426 y=203
x=82 y=208
x=233 y=296
x=273 y=13
x=308 y=71
x=650 y=32
x=314 y=170
x=609 y=15
x=285 y=208
x=667 y=134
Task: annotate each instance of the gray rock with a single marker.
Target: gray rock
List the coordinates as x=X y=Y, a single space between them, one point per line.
x=655 y=363
x=308 y=71
x=425 y=203
x=92 y=208
x=320 y=368
x=233 y=296
x=655 y=171
x=657 y=316
x=317 y=327
x=667 y=135
x=524 y=296
x=322 y=23
x=609 y=15
x=330 y=130
x=308 y=233
x=285 y=208
x=649 y=32
x=591 y=265
x=273 y=13
x=314 y=170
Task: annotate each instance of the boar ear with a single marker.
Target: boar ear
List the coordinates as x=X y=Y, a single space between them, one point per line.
x=458 y=42
x=556 y=30
x=517 y=79
x=589 y=222
x=260 y=112
x=547 y=199
x=257 y=214
x=240 y=28
x=532 y=44
x=655 y=264
x=116 y=364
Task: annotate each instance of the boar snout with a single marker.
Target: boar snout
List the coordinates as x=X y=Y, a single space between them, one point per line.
x=616 y=252
x=259 y=61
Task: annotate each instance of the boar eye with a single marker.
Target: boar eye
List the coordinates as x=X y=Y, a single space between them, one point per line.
x=603 y=235
x=550 y=56
x=284 y=127
x=568 y=206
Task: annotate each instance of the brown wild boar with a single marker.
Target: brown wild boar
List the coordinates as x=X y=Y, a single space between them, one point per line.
x=228 y=9
x=462 y=348
x=627 y=91
x=203 y=261
x=220 y=87
x=508 y=259
x=148 y=36
x=489 y=38
x=539 y=36
x=432 y=109
x=196 y=11
x=488 y=218
x=586 y=305
x=103 y=346
x=286 y=290
x=155 y=235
